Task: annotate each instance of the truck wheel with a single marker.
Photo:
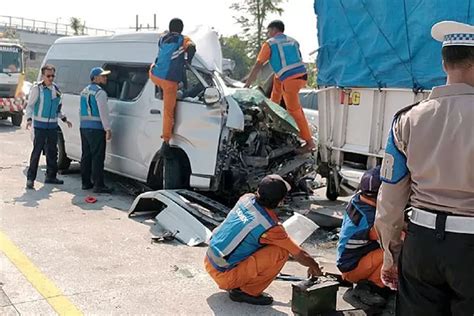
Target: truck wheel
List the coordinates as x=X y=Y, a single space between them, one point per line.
x=332 y=192
x=17 y=118
x=63 y=161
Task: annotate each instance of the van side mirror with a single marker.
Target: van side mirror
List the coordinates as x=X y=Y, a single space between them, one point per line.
x=211 y=96
x=32 y=55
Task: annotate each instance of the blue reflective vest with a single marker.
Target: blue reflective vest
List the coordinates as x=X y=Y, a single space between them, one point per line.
x=285 y=57
x=46 y=107
x=354 y=242
x=169 y=63
x=238 y=237
x=89 y=111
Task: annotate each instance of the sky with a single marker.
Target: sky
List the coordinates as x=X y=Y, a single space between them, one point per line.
x=299 y=17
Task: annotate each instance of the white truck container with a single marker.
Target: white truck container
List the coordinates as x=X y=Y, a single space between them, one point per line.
x=353 y=129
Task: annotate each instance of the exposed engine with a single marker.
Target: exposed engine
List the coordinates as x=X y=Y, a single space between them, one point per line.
x=267 y=145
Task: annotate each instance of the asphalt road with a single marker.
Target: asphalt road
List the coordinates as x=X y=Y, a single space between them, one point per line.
x=59 y=254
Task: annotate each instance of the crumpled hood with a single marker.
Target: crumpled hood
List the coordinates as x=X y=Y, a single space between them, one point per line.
x=208 y=48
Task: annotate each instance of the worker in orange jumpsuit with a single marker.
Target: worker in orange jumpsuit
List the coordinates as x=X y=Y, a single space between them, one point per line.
x=290 y=76
x=249 y=249
x=359 y=256
x=167 y=71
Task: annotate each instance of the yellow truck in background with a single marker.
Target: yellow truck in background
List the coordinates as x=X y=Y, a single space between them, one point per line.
x=12 y=77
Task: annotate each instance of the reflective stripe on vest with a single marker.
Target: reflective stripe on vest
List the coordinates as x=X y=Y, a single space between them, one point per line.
x=285 y=57
x=169 y=64
x=89 y=110
x=45 y=109
x=238 y=236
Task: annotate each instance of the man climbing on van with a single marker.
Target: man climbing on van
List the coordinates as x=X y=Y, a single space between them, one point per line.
x=249 y=249
x=167 y=71
x=95 y=131
x=359 y=256
x=42 y=111
x=284 y=56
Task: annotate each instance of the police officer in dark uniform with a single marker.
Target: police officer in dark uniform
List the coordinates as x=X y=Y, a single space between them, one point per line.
x=95 y=131
x=428 y=163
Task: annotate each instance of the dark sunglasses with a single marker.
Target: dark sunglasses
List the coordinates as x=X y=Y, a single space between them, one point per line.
x=50 y=76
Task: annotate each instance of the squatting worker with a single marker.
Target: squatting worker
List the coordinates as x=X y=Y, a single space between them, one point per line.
x=174 y=50
x=284 y=56
x=43 y=111
x=249 y=249
x=95 y=131
x=429 y=164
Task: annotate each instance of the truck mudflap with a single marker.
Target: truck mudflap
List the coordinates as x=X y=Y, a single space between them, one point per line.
x=11 y=105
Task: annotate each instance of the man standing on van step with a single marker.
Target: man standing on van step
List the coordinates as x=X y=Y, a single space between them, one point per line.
x=43 y=110
x=429 y=164
x=95 y=131
x=284 y=56
x=167 y=71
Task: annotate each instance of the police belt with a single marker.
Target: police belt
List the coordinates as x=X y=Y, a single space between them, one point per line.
x=454 y=224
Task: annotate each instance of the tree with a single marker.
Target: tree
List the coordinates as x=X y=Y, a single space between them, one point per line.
x=76 y=25
x=253 y=14
x=236 y=49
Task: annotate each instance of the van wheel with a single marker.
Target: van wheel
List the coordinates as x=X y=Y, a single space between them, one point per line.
x=17 y=118
x=332 y=192
x=155 y=178
x=63 y=161
x=177 y=170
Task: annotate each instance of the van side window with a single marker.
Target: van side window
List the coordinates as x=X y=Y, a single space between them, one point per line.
x=73 y=75
x=126 y=81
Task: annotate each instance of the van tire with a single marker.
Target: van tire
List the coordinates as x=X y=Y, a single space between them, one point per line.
x=155 y=177
x=63 y=161
x=17 y=119
x=180 y=170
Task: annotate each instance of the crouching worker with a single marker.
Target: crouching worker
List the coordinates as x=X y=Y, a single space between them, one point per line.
x=249 y=249
x=359 y=256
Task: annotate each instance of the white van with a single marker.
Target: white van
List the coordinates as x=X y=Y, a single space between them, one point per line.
x=228 y=138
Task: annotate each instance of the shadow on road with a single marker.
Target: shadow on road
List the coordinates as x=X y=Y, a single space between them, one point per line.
x=221 y=304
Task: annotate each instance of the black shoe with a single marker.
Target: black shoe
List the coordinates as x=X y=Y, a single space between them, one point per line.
x=30 y=184
x=237 y=295
x=103 y=189
x=53 y=181
x=368 y=295
x=87 y=186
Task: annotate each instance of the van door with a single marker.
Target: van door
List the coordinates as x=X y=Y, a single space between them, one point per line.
x=197 y=126
x=129 y=92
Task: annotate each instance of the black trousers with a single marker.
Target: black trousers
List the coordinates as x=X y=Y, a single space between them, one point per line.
x=436 y=272
x=45 y=139
x=93 y=156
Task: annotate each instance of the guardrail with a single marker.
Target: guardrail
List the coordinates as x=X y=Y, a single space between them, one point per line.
x=45 y=27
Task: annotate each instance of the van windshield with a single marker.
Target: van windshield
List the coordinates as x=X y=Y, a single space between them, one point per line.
x=10 y=59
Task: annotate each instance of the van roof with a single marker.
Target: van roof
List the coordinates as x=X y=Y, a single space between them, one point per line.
x=147 y=37
x=209 y=53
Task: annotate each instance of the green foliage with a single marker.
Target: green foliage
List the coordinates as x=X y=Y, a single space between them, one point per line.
x=77 y=26
x=31 y=74
x=235 y=48
x=251 y=15
x=312 y=75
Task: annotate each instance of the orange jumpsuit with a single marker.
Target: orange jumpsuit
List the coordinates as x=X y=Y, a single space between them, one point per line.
x=254 y=274
x=170 y=90
x=288 y=89
x=369 y=266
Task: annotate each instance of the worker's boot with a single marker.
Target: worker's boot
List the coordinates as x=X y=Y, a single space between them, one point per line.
x=237 y=295
x=53 y=181
x=369 y=294
x=30 y=184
